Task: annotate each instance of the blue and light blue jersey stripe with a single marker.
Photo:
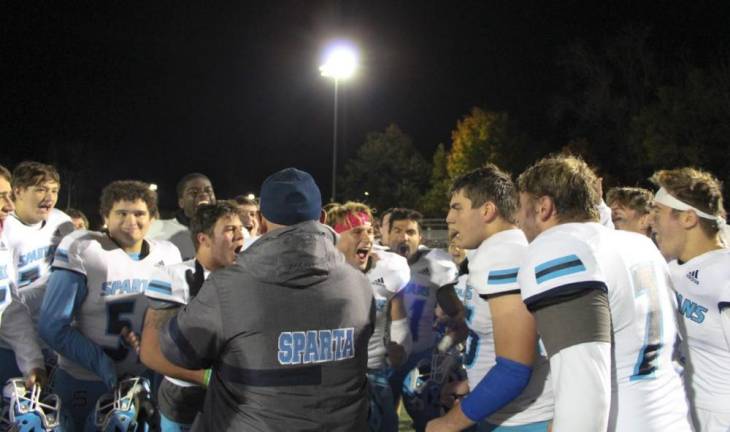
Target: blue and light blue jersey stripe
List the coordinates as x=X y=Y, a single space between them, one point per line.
x=503 y=277
x=563 y=266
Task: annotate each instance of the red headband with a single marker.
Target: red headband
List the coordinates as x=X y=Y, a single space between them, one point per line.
x=352 y=220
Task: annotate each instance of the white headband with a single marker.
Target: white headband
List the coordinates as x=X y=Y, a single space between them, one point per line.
x=663 y=197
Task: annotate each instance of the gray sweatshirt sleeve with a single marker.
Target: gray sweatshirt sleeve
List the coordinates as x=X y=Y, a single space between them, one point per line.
x=18 y=331
x=194 y=338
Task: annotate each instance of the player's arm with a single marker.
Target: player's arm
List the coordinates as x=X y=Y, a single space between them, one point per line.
x=18 y=331
x=575 y=328
x=150 y=352
x=193 y=339
x=65 y=293
x=515 y=339
x=453 y=307
x=400 y=334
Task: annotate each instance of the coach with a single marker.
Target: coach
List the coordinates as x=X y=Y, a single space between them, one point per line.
x=285 y=329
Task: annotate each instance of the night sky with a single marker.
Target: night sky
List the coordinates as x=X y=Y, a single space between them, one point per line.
x=233 y=89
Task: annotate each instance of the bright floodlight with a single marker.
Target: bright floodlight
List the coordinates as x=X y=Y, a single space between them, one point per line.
x=340 y=62
x=153 y=187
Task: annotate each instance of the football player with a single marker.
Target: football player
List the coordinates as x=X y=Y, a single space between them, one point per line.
x=432 y=271
x=688 y=219
x=388 y=274
x=96 y=293
x=193 y=190
x=218 y=237
x=24 y=356
x=508 y=376
x=602 y=302
x=630 y=208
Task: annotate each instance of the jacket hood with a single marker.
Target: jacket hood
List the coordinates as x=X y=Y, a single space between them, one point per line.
x=295 y=256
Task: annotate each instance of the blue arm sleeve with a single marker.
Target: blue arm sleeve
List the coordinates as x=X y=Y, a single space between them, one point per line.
x=504 y=382
x=65 y=293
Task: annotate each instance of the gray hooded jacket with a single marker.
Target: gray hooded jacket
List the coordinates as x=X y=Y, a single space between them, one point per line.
x=285 y=330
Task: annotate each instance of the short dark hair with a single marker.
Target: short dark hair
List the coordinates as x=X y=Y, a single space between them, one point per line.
x=245 y=200
x=400 y=213
x=635 y=198
x=5 y=173
x=488 y=183
x=77 y=214
x=31 y=173
x=180 y=188
x=385 y=213
x=207 y=215
x=127 y=190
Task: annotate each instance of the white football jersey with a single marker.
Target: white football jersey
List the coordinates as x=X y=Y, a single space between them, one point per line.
x=116 y=284
x=493 y=272
x=389 y=275
x=17 y=331
x=433 y=269
x=648 y=394
x=703 y=287
x=174 y=232
x=32 y=249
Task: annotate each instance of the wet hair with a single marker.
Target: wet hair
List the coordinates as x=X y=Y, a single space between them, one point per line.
x=5 y=173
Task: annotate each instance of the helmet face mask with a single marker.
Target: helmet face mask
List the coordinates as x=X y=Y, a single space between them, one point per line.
x=30 y=409
x=119 y=410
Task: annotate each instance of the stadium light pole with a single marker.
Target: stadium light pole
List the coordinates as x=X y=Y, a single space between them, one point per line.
x=340 y=64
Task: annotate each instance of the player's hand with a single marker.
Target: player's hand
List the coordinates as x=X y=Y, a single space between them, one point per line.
x=36 y=376
x=395 y=354
x=439 y=425
x=453 y=391
x=131 y=339
x=195 y=280
x=455 y=327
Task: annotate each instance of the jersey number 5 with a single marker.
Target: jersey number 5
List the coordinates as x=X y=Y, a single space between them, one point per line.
x=116 y=321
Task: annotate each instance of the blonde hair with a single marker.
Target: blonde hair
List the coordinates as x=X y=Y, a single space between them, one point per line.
x=568 y=181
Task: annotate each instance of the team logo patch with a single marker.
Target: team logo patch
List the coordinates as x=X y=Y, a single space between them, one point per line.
x=316 y=346
x=694 y=276
x=562 y=266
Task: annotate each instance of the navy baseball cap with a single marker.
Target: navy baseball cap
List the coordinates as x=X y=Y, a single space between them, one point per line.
x=290 y=196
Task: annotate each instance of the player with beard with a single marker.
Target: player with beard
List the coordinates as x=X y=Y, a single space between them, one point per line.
x=388 y=273
x=507 y=375
x=432 y=271
x=602 y=302
x=96 y=293
x=24 y=356
x=193 y=190
x=218 y=237
x=688 y=220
